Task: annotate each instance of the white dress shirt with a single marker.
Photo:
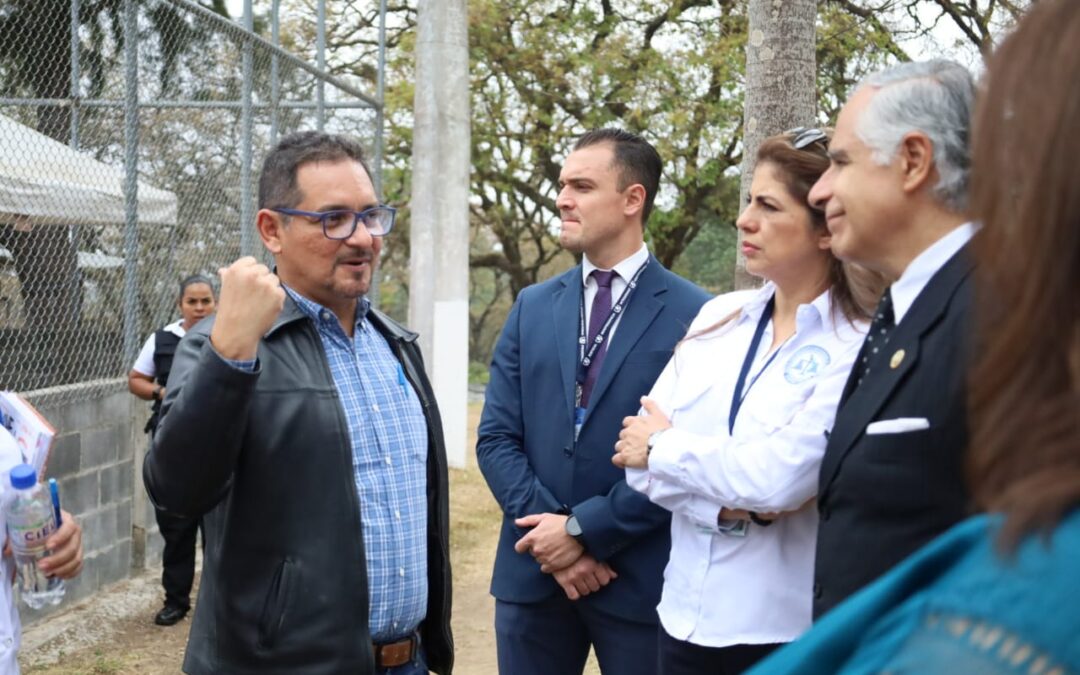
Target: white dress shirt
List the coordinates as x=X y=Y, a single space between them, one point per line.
x=625 y=271
x=926 y=265
x=721 y=590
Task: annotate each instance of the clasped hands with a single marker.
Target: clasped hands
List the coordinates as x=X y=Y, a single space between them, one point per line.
x=561 y=556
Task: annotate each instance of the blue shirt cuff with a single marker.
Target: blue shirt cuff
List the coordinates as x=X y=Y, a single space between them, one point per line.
x=246 y=365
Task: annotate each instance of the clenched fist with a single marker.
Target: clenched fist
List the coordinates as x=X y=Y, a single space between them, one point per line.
x=251 y=298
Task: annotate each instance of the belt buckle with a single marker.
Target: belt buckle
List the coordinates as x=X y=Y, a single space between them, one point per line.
x=394 y=654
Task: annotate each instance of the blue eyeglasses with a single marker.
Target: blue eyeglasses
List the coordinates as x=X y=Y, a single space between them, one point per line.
x=341 y=223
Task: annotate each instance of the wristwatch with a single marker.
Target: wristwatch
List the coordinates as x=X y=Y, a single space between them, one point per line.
x=653 y=438
x=758 y=520
x=573 y=528
x=156 y=393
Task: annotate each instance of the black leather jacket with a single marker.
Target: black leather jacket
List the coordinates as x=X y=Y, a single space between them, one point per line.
x=266 y=457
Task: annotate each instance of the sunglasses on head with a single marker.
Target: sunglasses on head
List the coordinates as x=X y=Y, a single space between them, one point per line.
x=804 y=136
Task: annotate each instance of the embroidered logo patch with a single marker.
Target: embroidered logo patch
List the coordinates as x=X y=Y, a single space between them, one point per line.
x=805 y=364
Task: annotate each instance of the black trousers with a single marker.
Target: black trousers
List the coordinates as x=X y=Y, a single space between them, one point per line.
x=677 y=657
x=178 y=558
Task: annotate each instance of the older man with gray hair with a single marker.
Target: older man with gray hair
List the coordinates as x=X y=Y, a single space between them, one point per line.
x=895 y=197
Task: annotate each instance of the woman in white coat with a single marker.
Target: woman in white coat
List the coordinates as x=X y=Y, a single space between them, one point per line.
x=733 y=432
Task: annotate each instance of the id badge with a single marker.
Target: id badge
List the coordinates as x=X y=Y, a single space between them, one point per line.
x=579 y=419
x=738 y=528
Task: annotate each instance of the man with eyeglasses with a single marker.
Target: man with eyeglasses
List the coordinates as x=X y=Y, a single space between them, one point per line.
x=300 y=421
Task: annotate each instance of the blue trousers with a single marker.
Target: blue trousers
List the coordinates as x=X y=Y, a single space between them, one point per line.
x=552 y=637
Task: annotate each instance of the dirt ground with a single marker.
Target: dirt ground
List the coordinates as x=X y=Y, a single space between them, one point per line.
x=113 y=632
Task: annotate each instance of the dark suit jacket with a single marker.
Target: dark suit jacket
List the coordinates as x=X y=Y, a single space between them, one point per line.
x=526 y=446
x=881 y=497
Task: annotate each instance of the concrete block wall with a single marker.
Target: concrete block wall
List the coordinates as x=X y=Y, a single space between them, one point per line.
x=97 y=460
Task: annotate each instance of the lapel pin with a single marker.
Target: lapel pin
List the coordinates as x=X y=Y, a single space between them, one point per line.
x=897 y=359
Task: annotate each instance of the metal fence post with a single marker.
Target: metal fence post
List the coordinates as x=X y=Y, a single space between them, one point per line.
x=380 y=96
x=165 y=133
x=374 y=292
x=320 y=58
x=246 y=235
x=75 y=74
x=131 y=180
x=275 y=85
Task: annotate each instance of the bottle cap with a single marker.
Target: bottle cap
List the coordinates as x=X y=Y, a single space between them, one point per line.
x=23 y=476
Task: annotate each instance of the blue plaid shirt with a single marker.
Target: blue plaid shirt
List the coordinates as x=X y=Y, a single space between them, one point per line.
x=389 y=439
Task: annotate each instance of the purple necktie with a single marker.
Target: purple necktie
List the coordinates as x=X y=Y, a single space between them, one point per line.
x=601 y=309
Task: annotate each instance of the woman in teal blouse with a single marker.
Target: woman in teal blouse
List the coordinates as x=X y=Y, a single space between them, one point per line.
x=1000 y=593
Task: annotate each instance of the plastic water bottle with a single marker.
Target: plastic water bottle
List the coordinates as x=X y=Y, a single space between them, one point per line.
x=30 y=521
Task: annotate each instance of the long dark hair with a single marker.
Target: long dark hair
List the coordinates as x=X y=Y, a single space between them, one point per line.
x=1024 y=457
x=855 y=289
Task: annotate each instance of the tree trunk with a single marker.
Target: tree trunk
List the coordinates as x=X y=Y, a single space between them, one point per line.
x=780 y=85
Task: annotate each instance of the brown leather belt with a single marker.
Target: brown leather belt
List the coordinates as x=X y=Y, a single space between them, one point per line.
x=394 y=654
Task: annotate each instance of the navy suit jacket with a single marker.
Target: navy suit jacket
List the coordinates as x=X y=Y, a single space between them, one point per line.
x=526 y=446
x=882 y=497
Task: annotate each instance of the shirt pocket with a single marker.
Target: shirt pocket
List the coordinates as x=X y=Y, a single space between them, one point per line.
x=768 y=420
x=775 y=408
x=692 y=385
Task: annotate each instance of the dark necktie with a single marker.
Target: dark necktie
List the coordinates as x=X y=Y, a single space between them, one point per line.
x=880 y=329
x=601 y=309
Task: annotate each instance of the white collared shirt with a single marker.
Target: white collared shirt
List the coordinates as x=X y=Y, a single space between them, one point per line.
x=925 y=265
x=144 y=362
x=721 y=590
x=625 y=271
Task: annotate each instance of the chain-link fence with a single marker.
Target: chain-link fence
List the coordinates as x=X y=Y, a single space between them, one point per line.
x=131 y=134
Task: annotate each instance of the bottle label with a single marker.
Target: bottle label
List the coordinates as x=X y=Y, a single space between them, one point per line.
x=33 y=535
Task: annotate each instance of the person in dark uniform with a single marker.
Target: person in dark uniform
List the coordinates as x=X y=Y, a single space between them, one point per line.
x=147 y=380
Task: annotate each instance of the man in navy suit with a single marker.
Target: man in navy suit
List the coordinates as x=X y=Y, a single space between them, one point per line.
x=895 y=196
x=581 y=555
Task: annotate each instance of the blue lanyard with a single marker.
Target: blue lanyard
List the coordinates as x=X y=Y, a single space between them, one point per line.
x=738 y=397
x=586 y=355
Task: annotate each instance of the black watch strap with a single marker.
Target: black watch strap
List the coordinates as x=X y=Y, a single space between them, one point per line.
x=573 y=528
x=758 y=520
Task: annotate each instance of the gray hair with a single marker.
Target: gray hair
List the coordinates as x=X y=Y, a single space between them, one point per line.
x=933 y=97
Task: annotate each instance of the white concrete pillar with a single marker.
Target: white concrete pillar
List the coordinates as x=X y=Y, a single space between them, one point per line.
x=439 y=263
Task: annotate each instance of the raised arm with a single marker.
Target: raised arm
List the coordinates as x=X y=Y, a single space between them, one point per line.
x=205 y=413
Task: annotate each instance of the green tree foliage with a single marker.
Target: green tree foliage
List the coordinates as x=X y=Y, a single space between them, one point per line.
x=544 y=71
